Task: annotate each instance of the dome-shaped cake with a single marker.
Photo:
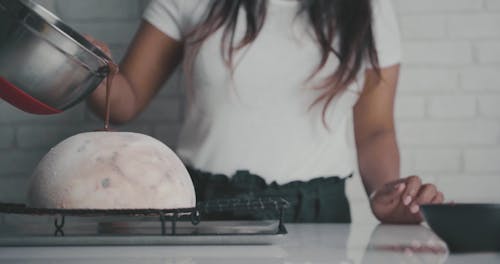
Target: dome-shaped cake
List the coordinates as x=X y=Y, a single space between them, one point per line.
x=111 y=170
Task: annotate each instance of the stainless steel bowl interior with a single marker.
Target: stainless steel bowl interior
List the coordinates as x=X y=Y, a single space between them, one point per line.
x=57 y=23
x=50 y=28
x=45 y=58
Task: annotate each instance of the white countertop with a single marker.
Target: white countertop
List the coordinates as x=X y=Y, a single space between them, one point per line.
x=305 y=243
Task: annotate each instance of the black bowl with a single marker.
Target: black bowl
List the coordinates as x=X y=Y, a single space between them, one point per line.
x=465 y=227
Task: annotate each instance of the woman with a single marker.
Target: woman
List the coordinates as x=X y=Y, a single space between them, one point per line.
x=272 y=87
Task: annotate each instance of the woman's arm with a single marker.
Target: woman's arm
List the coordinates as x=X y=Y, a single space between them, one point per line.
x=392 y=199
x=149 y=61
x=378 y=152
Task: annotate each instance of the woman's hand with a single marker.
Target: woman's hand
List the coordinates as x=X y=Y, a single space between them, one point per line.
x=398 y=202
x=101 y=45
x=99 y=93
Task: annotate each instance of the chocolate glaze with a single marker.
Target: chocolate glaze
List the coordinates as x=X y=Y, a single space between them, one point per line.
x=113 y=70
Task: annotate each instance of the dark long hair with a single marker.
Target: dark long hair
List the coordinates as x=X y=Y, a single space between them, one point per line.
x=349 y=20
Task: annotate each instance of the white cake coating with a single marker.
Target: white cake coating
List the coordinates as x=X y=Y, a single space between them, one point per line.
x=111 y=170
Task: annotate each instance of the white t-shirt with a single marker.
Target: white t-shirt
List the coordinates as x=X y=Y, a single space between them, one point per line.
x=259 y=118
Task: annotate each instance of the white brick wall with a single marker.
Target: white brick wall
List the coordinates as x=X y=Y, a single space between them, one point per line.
x=426 y=80
x=478 y=26
x=437 y=6
x=452 y=106
x=432 y=133
x=438 y=52
x=489 y=106
x=448 y=105
x=488 y=52
x=7 y=135
x=479 y=78
x=493 y=5
x=98 y=10
x=410 y=106
x=450 y=160
x=414 y=29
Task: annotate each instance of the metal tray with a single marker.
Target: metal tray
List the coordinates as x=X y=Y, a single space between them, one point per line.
x=25 y=226
x=145 y=233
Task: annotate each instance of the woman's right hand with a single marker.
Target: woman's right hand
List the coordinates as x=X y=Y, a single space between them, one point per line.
x=101 y=45
x=399 y=201
x=99 y=93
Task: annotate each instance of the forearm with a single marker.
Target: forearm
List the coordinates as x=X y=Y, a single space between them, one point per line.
x=123 y=101
x=378 y=158
x=392 y=200
x=150 y=59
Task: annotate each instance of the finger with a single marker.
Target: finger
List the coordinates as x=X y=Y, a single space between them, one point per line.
x=102 y=46
x=389 y=193
x=99 y=44
x=426 y=194
x=391 y=186
x=439 y=199
x=89 y=37
x=413 y=184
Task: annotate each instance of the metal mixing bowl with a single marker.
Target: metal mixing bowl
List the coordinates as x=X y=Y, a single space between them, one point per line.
x=45 y=58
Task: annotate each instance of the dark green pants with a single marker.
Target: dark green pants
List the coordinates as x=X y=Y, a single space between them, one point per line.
x=318 y=200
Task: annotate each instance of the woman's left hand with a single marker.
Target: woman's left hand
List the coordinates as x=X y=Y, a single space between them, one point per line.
x=398 y=202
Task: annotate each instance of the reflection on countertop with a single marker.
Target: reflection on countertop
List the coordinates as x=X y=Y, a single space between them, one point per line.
x=305 y=243
x=404 y=244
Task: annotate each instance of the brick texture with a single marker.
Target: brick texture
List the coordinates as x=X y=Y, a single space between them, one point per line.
x=492 y=5
x=452 y=106
x=437 y=6
x=18 y=161
x=7 y=136
x=423 y=26
x=13 y=189
x=465 y=188
x=473 y=26
x=96 y=9
x=485 y=79
x=482 y=160
x=449 y=133
x=447 y=107
x=488 y=52
x=441 y=53
x=489 y=106
x=432 y=161
x=410 y=106
x=428 y=80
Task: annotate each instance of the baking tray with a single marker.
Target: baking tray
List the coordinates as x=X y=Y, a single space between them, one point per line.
x=145 y=233
x=25 y=226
